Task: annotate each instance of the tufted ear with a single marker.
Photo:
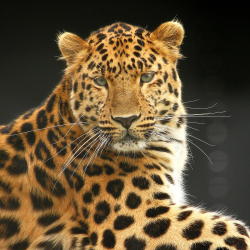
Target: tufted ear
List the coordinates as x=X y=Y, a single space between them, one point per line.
x=70 y=45
x=172 y=33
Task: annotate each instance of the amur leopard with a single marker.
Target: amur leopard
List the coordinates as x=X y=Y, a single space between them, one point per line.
x=99 y=164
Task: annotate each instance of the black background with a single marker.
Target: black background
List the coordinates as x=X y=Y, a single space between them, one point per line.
x=215 y=70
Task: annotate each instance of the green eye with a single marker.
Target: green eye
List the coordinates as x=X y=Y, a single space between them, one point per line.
x=147 y=77
x=100 y=81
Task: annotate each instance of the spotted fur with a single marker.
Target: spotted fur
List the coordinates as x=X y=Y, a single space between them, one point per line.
x=99 y=164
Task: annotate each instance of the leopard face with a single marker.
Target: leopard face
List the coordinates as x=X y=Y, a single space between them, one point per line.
x=125 y=84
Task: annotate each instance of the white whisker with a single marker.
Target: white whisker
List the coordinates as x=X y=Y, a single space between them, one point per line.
x=195 y=100
x=76 y=154
x=209 y=107
x=199 y=123
x=66 y=165
x=209 y=159
x=87 y=151
x=85 y=134
x=193 y=128
x=95 y=153
x=78 y=120
x=208 y=113
x=40 y=129
x=201 y=140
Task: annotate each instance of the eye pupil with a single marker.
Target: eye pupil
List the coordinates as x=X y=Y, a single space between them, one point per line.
x=100 y=81
x=147 y=77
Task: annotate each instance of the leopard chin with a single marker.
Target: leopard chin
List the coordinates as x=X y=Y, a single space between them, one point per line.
x=129 y=144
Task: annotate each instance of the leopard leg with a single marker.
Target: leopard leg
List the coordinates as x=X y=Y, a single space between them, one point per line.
x=173 y=227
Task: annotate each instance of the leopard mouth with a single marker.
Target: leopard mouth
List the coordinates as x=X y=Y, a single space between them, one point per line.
x=129 y=143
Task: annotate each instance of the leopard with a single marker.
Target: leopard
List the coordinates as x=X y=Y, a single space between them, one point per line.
x=100 y=163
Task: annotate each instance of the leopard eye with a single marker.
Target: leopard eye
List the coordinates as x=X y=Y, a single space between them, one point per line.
x=147 y=77
x=100 y=81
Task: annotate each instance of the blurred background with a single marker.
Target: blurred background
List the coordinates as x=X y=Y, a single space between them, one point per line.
x=215 y=75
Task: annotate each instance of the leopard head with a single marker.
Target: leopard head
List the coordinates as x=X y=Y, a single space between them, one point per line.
x=124 y=83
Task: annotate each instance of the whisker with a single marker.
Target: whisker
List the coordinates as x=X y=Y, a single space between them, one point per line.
x=39 y=129
x=60 y=173
x=209 y=107
x=196 y=129
x=93 y=156
x=84 y=146
x=99 y=134
x=208 y=113
x=85 y=134
x=195 y=100
x=194 y=116
x=78 y=120
x=162 y=135
x=164 y=117
x=98 y=150
x=87 y=151
x=201 y=140
x=200 y=123
x=101 y=146
x=209 y=159
x=76 y=154
x=70 y=159
x=211 y=116
x=107 y=144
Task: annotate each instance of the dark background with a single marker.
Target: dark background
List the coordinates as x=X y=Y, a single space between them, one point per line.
x=215 y=70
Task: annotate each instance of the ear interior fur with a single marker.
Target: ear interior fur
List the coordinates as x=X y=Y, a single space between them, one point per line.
x=171 y=33
x=70 y=45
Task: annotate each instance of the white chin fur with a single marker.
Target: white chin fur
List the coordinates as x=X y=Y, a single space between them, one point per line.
x=126 y=146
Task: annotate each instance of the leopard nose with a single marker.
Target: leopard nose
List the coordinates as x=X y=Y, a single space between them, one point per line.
x=127 y=120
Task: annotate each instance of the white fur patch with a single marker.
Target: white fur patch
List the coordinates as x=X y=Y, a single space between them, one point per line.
x=129 y=145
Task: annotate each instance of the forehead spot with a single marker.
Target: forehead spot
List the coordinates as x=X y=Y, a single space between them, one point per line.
x=137 y=48
x=137 y=54
x=125 y=48
x=125 y=26
x=111 y=41
x=103 y=51
x=112 y=28
x=100 y=47
x=141 y=42
x=101 y=36
x=139 y=32
x=104 y=57
x=154 y=51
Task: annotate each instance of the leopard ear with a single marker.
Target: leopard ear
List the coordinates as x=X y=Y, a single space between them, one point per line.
x=171 y=33
x=70 y=45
